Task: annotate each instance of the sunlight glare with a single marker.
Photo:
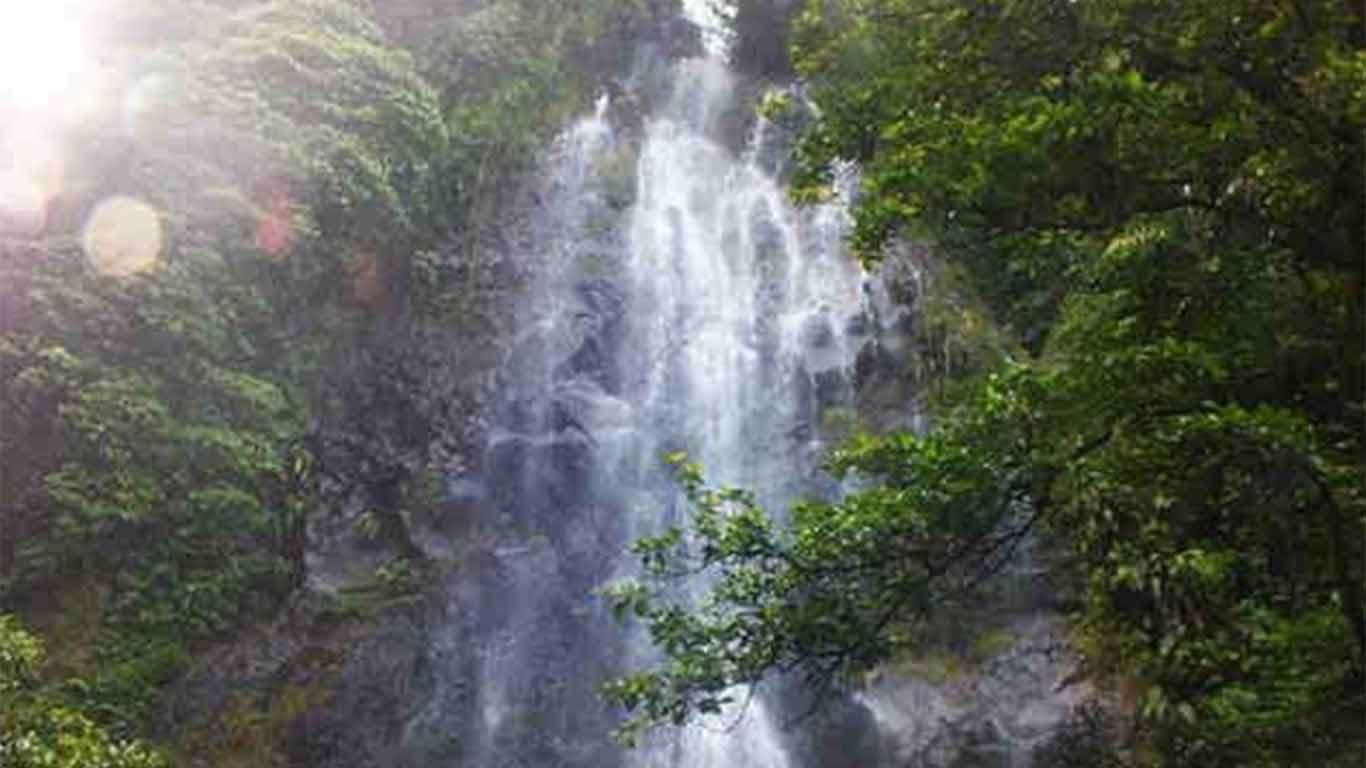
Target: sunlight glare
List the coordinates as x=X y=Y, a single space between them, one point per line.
x=43 y=57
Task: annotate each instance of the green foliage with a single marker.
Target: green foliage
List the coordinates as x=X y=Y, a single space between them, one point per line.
x=37 y=730
x=955 y=334
x=422 y=492
x=989 y=644
x=395 y=584
x=1022 y=133
x=253 y=731
x=20 y=655
x=177 y=471
x=925 y=655
x=57 y=737
x=1163 y=202
x=513 y=72
x=615 y=175
x=509 y=75
x=335 y=138
x=1089 y=740
x=848 y=584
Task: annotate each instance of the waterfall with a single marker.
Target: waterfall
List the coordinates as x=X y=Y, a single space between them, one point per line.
x=677 y=302
x=680 y=303
x=738 y=303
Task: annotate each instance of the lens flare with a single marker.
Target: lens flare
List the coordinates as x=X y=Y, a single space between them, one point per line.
x=275 y=226
x=123 y=237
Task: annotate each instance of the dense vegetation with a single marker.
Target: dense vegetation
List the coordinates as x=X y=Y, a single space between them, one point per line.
x=41 y=731
x=1162 y=204
x=272 y=183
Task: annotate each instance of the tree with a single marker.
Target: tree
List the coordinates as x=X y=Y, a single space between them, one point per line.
x=1164 y=202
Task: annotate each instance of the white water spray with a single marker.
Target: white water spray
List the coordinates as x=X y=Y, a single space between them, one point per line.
x=740 y=304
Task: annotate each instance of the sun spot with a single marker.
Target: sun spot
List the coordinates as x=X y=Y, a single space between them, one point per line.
x=123 y=237
x=44 y=61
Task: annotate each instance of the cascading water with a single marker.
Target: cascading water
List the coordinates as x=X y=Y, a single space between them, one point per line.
x=678 y=302
x=684 y=304
x=737 y=297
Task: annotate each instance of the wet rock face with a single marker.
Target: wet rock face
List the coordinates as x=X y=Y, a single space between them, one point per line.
x=372 y=700
x=501 y=665
x=602 y=325
x=537 y=475
x=679 y=38
x=886 y=376
x=524 y=643
x=817 y=332
x=511 y=669
x=993 y=716
x=406 y=401
x=541 y=459
x=326 y=690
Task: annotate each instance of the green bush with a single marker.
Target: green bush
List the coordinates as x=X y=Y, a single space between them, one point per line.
x=37 y=730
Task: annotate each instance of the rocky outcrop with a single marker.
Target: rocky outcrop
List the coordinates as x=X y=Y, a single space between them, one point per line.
x=991 y=714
